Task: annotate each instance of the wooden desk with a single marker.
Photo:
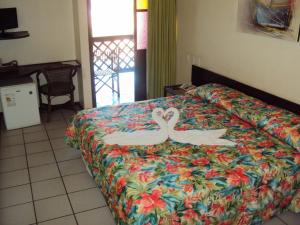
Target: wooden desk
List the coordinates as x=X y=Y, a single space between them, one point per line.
x=28 y=70
x=16 y=81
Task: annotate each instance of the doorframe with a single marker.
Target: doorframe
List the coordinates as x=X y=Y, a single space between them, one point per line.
x=90 y=38
x=91 y=55
x=140 y=60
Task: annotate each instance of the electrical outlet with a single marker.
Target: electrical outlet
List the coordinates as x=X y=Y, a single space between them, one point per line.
x=198 y=63
x=188 y=58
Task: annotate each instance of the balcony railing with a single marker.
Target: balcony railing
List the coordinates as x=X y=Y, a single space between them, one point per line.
x=111 y=56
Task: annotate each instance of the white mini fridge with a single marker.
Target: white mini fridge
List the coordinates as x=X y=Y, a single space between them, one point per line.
x=20 y=105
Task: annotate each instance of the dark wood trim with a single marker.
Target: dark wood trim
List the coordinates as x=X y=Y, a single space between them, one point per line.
x=202 y=76
x=66 y=105
x=140 y=79
x=136 y=83
x=49 y=63
x=140 y=73
x=142 y=10
x=91 y=41
x=112 y=38
x=28 y=70
x=14 y=35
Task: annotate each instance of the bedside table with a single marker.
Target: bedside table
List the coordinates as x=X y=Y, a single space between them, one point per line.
x=173 y=90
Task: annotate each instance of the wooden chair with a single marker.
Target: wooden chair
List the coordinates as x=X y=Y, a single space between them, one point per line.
x=59 y=83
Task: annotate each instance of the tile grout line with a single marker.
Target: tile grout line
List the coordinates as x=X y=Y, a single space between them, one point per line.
x=29 y=177
x=11 y=171
x=43 y=221
x=19 y=185
x=53 y=151
x=11 y=157
x=87 y=210
x=57 y=177
x=61 y=177
x=281 y=220
x=1 y=189
x=53 y=178
x=59 y=195
x=63 y=194
x=73 y=214
x=46 y=140
x=33 y=182
x=23 y=203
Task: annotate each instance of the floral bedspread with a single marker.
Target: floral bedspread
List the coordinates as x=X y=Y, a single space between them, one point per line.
x=174 y=183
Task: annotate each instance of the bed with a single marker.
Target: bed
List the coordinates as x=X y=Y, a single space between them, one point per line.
x=180 y=183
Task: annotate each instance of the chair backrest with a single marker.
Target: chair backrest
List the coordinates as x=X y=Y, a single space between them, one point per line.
x=61 y=75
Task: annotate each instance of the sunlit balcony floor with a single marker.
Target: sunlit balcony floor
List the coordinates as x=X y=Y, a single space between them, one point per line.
x=105 y=96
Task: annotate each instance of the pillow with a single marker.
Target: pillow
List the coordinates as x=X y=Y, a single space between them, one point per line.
x=278 y=122
x=238 y=103
x=284 y=125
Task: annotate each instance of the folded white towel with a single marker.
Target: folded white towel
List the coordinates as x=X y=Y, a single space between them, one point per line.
x=195 y=137
x=144 y=137
x=153 y=137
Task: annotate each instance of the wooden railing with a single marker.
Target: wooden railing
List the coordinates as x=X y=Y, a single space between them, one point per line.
x=111 y=56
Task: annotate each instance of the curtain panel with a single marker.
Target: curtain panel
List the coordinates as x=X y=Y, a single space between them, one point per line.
x=161 y=52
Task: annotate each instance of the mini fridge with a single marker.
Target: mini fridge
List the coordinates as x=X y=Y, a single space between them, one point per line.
x=20 y=105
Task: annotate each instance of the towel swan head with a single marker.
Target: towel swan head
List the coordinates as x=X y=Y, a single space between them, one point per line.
x=157 y=116
x=174 y=117
x=152 y=137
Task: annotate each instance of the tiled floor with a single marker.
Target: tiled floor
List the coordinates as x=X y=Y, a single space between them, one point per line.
x=42 y=181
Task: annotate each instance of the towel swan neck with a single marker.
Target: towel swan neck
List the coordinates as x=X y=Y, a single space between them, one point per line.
x=195 y=137
x=167 y=130
x=157 y=116
x=174 y=118
x=142 y=137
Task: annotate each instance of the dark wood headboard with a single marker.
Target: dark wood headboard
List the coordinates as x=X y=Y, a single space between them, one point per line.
x=202 y=76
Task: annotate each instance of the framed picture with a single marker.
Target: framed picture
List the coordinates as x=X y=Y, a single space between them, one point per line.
x=273 y=18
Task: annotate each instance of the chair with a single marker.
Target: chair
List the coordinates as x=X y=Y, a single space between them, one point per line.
x=107 y=74
x=59 y=82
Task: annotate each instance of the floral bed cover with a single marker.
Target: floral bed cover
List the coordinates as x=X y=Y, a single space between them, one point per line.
x=174 y=183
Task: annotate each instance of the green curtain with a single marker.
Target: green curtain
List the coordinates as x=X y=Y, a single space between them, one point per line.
x=161 y=51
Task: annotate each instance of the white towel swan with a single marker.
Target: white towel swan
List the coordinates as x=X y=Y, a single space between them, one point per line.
x=195 y=137
x=143 y=137
x=153 y=137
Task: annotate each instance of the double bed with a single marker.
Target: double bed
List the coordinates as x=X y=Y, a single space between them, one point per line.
x=181 y=183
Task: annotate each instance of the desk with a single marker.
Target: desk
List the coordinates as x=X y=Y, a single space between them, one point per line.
x=28 y=70
x=15 y=81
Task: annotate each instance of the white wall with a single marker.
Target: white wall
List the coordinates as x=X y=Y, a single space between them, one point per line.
x=82 y=46
x=208 y=30
x=77 y=48
x=51 y=27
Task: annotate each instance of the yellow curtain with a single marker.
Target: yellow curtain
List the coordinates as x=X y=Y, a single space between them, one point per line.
x=161 y=51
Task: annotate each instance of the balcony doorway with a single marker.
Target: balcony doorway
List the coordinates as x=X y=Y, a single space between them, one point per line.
x=112 y=48
x=118 y=41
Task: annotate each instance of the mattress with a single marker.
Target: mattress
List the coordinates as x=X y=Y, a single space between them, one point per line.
x=180 y=183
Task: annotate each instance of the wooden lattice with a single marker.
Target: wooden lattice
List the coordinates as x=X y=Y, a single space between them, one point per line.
x=111 y=56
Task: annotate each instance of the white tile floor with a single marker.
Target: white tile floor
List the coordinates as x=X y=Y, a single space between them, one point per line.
x=42 y=181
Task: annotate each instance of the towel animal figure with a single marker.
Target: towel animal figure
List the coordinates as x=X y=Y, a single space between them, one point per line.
x=143 y=137
x=153 y=137
x=195 y=137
